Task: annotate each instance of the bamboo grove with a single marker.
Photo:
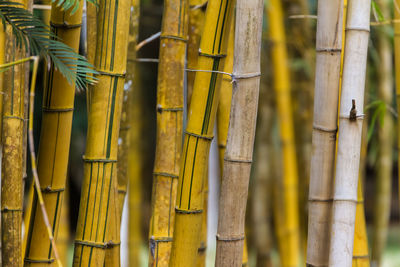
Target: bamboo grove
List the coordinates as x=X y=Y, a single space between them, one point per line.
x=200 y=133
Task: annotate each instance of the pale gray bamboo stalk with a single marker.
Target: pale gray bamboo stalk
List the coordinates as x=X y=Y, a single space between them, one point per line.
x=329 y=47
x=383 y=177
x=350 y=132
x=241 y=132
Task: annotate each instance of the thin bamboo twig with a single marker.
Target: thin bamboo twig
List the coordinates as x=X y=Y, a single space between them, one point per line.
x=33 y=161
x=326 y=97
x=350 y=132
x=241 y=133
x=198 y=135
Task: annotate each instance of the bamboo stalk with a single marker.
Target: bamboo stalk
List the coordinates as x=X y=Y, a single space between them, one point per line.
x=396 y=49
x=134 y=158
x=197 y=10
x=329 y=46
x=12 y=148
x=2 y=60
x=198 y=135
x=201 y=257
x=170 y=86
x=384 y=163
x=290 y=227
x=98 y=228
x=349 y=143
x=241 y=133
x=58 y=104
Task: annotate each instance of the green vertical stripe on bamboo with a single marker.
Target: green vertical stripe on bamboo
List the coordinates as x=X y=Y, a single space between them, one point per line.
x=198 y=135
x=98 y=227
x=289 y=236
x=58 y=104
x=174 y=34
x=12 y=142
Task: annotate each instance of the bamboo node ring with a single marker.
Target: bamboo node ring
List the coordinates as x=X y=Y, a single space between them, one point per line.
x=38 y=260
x=239 y=76
x=160 y=109
x=173 y=38
x=324 y=129
x=48 y=189
x=105 y=245
x=6 y=209
x=209 y=138
x=230 y=239
x=50 y=110
x=248 y=161
x=112 y=74
x=211 y=55
x=357 y=29
x=181 y=211
x=174 y=176
x=65 y=25
x=99 y=160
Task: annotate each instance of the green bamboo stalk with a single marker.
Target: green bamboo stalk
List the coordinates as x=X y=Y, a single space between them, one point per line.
x=98 y=227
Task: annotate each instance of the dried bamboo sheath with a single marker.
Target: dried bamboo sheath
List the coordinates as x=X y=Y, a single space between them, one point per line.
x=240 y=141
x=174 y=34
x=349 y=143
x=58 y=104
x=198 y=135
x=98 y=221
x=329 y=46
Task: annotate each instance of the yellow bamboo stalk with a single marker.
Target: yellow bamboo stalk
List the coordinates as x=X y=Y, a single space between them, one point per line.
x=63 y=240
x=134 y=154
x=58 y=104
x=202 y=255
x=98 y=227
x=197 y=10
x=290 y=234
x=12 y=156
x=2 y=59
x=397 y=69
x=198 y=135
x=170 y=86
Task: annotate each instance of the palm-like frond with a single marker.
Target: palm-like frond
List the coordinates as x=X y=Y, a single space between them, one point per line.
x=33 y=33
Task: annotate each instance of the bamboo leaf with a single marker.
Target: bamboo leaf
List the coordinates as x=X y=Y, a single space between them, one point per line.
x=377 y=11
x=28 y=29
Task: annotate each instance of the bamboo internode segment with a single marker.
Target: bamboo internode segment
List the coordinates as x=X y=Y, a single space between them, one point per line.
x=326 y=96
x=170 y=101
x=58 y=103
x=196 y=24
x=12 y=151
x=288 y=233
x=241 y=133
x=199 y=130
x=98 y=220
x=349 y=143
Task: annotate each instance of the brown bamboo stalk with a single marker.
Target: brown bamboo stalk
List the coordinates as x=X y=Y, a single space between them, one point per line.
x=239 y=150
x=329 y=45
